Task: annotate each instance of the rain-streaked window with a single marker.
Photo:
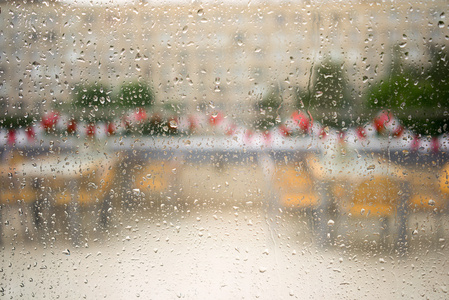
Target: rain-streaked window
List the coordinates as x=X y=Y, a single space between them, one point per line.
x=232 y=150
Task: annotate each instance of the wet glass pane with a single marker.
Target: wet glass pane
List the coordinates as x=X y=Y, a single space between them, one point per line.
x=229 y=150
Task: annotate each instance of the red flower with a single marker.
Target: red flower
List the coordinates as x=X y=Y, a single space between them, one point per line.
x=284 y=130
x=361 y=132
x=381 y=121
x=11 y=136
x=110 y=129
x=50 y=120
x=90 y=130
x=71 y=126
x=31 y=134
x=140 y=115
x=301 y=120
x=215 y=118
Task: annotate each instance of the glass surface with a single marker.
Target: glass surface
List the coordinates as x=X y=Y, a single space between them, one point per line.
x=229 y=150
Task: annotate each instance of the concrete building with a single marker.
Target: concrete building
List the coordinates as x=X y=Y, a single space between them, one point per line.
x=203 y=56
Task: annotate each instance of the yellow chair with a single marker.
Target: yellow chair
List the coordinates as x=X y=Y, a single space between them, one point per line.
x=296 y=187
x=425 y=200
x=429 y=194
x=154 y=177
x=10 y=196
x=91 y=186
x=375 y=197
x=62 y=198
x=14 y=185
x=444 y=179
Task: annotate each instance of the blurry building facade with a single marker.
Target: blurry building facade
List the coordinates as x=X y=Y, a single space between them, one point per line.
x=198 y=55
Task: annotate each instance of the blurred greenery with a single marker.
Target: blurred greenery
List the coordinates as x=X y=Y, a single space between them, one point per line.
x=96 y=102
x=135 y=94
x=15 y=121
x=159 y=127
x=328 y=96
x=92 y=102
x=417 y=96
x=268 y=108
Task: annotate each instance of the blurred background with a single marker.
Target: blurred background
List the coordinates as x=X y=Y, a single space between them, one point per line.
x=262 y=149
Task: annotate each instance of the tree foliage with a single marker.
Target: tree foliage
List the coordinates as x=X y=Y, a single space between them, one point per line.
x=92 y=95
x=328 y=95
x=268 y=109
x=91 y=101
x=15 y=121
x=417 y=96
x=135 y=94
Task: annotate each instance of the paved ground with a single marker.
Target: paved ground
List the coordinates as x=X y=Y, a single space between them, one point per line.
x=223 y=252
x=221 y=241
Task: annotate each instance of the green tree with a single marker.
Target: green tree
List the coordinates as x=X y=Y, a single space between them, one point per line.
x=92 y=102
x=15 y=121
x=418 y=96
x=328 y=95
x=134 y=95
x=269 y=109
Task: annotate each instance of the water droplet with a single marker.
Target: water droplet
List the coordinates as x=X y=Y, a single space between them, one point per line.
x=262 y=270
x=431 y=202
x=441 y=24
x=173 y=124
x=66 y=252
x=200 y=12
x=330 y=222
x=371 y=167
